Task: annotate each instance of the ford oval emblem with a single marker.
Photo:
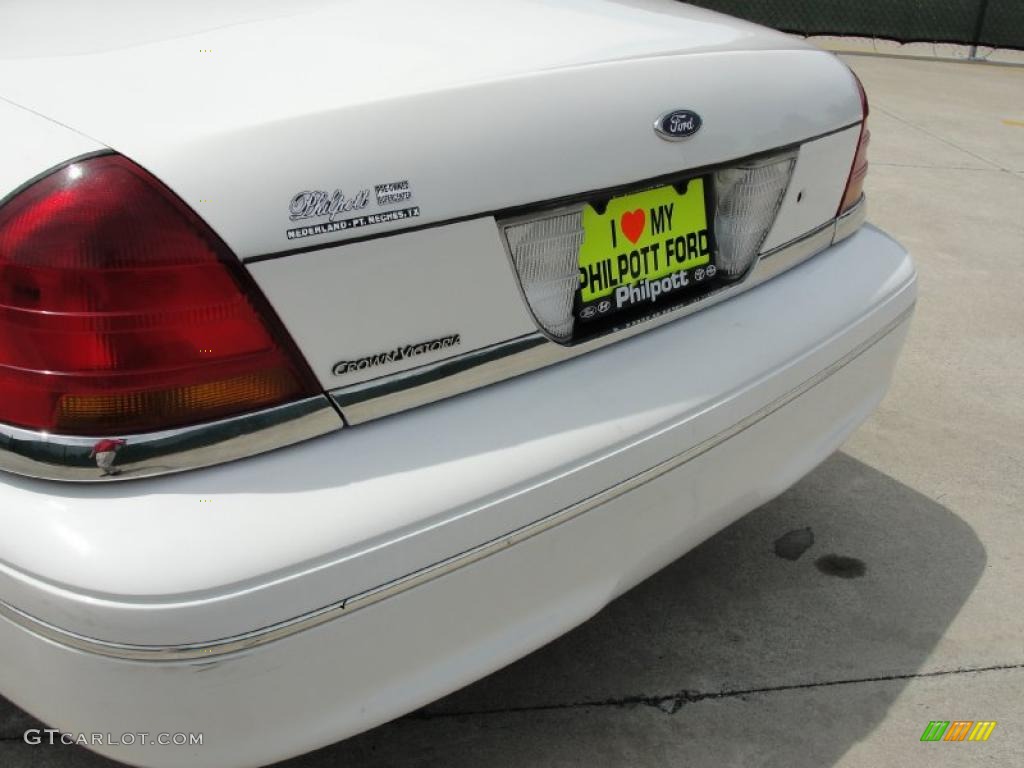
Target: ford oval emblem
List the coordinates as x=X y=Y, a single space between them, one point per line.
x=677 y=124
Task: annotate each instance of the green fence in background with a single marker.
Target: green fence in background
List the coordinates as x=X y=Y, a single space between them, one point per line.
x=998 y=23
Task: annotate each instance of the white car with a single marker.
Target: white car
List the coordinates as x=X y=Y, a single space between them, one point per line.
x=351 y=350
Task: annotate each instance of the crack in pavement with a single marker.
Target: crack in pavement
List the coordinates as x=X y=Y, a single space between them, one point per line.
x=944 y=140
x=879 y=164
x=673 y=702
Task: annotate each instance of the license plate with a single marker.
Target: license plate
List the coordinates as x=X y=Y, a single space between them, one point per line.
x=644 y=250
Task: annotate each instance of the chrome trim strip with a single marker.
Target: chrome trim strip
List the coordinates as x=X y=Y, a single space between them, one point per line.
x=427 y=383
x=68 y=457
x=388 y=395
x=788 y=255
x=850 y=222
x=429 y=573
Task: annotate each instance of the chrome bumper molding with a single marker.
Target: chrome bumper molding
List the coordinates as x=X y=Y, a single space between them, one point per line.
x=66 y=457
x=69 y=458
x=349 y=605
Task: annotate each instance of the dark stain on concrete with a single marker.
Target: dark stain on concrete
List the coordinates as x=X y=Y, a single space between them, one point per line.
x=840 y=566
x=793 y=544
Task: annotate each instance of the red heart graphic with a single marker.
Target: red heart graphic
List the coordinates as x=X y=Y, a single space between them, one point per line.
x=632 y=224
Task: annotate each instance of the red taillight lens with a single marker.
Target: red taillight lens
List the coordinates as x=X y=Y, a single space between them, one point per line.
x=121 y=311
x=859 y=169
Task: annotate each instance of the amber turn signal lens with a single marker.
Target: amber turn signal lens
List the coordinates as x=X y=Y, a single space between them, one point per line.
x=119 y=413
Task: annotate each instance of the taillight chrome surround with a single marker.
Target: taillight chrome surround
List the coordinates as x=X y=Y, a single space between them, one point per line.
x=69 y=457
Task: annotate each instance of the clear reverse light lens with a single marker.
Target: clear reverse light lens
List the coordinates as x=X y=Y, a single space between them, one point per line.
x=545 y=252
x=747 y=200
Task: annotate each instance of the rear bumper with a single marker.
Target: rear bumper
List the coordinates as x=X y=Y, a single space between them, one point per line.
x=307 y=592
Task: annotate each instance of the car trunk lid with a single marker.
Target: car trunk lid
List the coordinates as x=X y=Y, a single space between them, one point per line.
x=405 y=114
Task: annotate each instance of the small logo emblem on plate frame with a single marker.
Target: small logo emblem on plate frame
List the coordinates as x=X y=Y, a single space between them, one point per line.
x=677 y=125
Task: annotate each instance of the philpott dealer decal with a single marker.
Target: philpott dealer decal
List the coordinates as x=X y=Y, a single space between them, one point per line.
x=403 y=352
x=334 y=212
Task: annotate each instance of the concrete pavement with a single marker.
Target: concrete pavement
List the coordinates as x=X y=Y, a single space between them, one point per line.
x=764 y=647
